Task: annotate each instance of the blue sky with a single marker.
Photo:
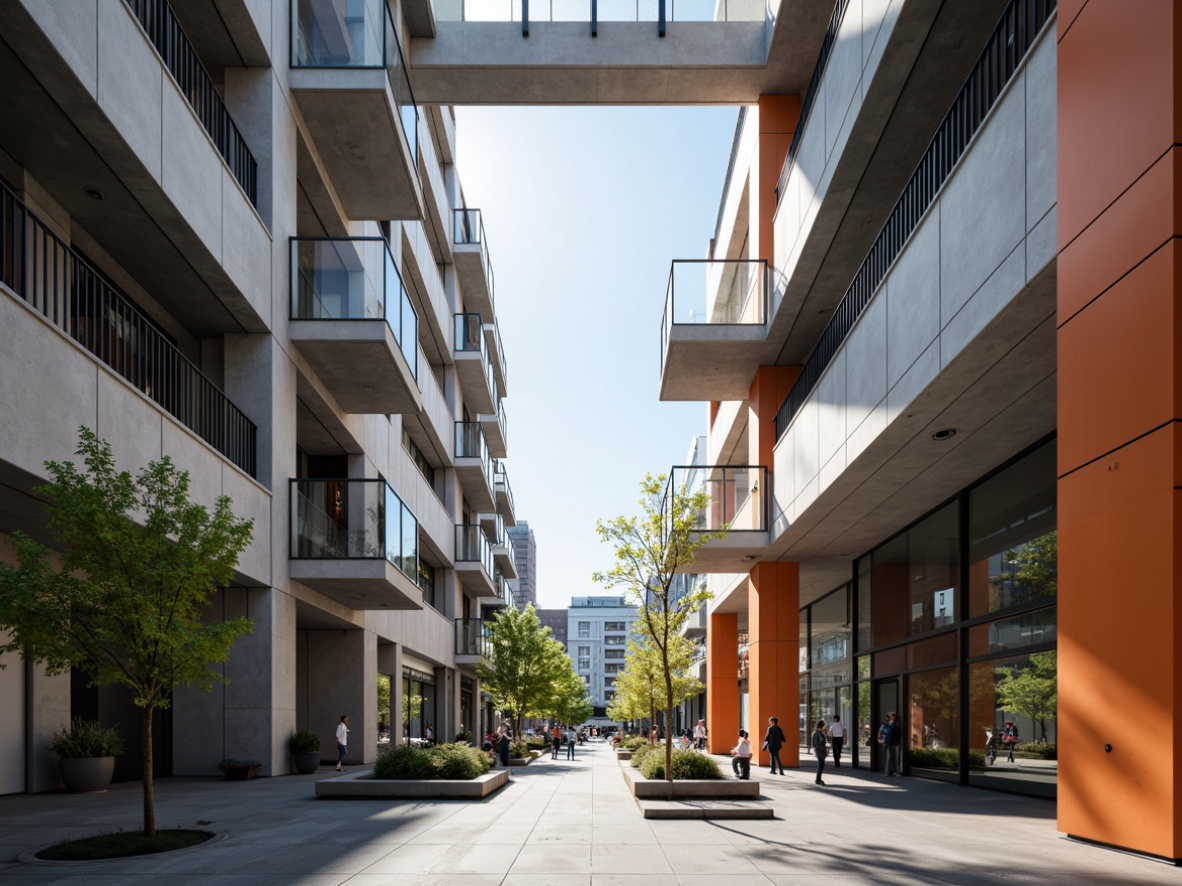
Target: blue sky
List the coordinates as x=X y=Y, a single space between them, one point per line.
x=584 y=209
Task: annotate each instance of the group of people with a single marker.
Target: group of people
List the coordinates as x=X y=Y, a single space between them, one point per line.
x=823 y=738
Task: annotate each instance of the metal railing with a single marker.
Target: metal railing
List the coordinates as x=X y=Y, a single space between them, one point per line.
x=469 y=338
x=471 y=443
x=472 y=637
x=176 y=51
x=353 y=520
x=64 y=288
x=717 y=292
x=353 y=278
x=472 y=546
x=501 y=584
x=1015 y=33
x=737 y=496
x=468 y=230
x=501 y=476
x=321 y=37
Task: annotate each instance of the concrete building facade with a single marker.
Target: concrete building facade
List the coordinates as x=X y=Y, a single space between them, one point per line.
x=556 y=621
x=232 y=237
x=597 y=634
x=525 y=553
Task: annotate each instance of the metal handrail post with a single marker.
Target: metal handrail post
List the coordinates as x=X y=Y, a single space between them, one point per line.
x=661 y=19
x=524 y=18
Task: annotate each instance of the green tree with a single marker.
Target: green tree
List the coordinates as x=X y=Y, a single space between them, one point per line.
x=569 y=701
x=651 y=551
x=384 y=700
x=525 y=665
x=124 y=603
x=1031 y=691
x=641 y=684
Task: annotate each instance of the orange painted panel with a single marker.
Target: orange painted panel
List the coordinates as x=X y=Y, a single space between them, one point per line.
x=1117 y=363
x=1116 y=104
x=774 y=635
x=778 y=116
x=722 y=681
x=1068 y=10
x=768 y=390
x=1140 y=221
x=1119 y=632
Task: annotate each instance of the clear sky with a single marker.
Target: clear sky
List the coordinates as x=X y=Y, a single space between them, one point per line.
x=584 y=209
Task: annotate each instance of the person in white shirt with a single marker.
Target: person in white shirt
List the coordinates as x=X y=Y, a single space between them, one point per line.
x=342 y=740
x=836 y=738
x=742 y=756
x=700 y=735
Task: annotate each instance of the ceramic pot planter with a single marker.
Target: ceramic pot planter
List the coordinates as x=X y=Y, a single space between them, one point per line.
x=87 y=775
x=306 y=764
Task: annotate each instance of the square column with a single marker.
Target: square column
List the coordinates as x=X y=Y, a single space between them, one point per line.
x=722 y=681
x=343 y=679
x=773 y=601
x=1119 y=407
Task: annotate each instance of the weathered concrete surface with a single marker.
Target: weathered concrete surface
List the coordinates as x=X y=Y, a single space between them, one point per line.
x=363 y=786
x=715 y=789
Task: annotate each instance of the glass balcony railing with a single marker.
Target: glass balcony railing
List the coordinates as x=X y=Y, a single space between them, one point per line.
x=359 y=34
x=353 y=278
x=469 y=339
x=502 y=585
x=501 y=479
x=353 y=520
x=603 y=10
x=737 y=495
x=472 y=546
x=67 y=291
x=500 y=348
x=472 y=637
x=468 y=230
x=722 y=292
x=471 y=443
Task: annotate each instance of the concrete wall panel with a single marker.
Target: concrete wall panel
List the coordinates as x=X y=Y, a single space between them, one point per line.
x=190 y=169
x=130 y=83
x=831 y=408
x=866 y=362
x=806 y=434
x=843 y=75
x=75 y=30
x=244 y=245
x=1001 y=286
x=1040 y=93
x=12 y=725
x=913 y=299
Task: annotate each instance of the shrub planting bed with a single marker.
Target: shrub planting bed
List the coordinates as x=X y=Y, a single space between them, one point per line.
x=446 y=762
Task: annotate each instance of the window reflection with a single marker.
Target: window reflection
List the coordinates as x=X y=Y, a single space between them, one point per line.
x=913 y=579
x=933 y=722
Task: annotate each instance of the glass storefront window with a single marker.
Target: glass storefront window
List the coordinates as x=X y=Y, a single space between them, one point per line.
x=830 y=631
x=1021 y=690
x=931 y=732
x=864 y=731
x=418 y=705
x=914 y=579
x=1013 y=545
x=1012 y=634
x=865 y=636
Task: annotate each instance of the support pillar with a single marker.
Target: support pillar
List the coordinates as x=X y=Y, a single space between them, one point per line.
x=773 y=601
x=722 y=678
x=343 y=679
x=1119 y=407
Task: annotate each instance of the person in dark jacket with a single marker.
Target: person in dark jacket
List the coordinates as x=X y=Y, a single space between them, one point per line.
x=820 y=749
x=503 y=748
x=773 y=740
x=893 y=739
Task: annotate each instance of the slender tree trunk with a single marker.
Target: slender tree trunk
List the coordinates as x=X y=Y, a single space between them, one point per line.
x=149 y=801
x=668 y=720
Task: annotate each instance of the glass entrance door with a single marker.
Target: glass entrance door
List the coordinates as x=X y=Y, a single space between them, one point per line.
x=886 y=701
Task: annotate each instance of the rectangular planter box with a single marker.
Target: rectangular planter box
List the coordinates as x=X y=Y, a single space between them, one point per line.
x=623 y=755
x=361 y=786
x=684 y=789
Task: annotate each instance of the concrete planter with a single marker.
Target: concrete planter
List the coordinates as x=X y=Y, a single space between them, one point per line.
x=306 y=764
x=87 y=775
x=623 y=755
x=684 y=789
x=362 y=786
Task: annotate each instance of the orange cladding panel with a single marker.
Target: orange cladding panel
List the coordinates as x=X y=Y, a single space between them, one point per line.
x=774 y=635
x=778 y=116
x=722 y=681
x=768 y=390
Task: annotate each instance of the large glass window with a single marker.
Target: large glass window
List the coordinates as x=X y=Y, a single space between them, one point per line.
x=913 y=579
x=1013 y=545
x=930 y=732
x=830 y=631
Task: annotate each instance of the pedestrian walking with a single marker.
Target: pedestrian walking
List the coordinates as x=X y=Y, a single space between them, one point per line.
x=741 y=756
x=342 y=740
x=555 y=741
x=1009 y=737
x=572 y=739
x=773 y=740
x=893 y=741
x=700 y=735
x=820 y=749
x=836 y=739
x=503 y=748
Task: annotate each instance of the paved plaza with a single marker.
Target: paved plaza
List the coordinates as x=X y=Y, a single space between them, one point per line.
x=561 y=823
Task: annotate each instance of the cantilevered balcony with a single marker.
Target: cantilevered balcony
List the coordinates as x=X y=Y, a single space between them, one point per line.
x=502 y=544
x=496 y=351
x=353 y=321
x=474 y=560
x=737 y=502
x=474 y=466
x=350 y=82
x=473 y=644
x=504 y=494
x=495 y=431
x=504 y=591
x=473 y=366
x=713 y=328
x=473 y=266
x=356 y=542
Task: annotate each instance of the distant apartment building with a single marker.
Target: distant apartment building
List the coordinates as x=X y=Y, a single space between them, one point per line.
x=597 y=640
x=555 y=620
x=525 y=554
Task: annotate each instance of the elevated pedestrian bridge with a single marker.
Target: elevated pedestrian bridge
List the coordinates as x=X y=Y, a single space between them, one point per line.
x=611 y=52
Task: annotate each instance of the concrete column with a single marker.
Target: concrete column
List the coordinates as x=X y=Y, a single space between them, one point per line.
x=722 y=681
x=48 y=710
x=342 y=679
x=1120 y=449
x=774 y=655
x=447 y=704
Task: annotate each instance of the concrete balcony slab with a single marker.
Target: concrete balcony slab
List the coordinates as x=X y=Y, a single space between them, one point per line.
x=357 y=583
x=473 y=476
x=713 y=362
x=475 y=282
x=475 y=578
x=360 y=363
x=472 y=369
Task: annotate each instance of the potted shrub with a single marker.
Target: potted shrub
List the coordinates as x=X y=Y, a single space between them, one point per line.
x=88 y=750
x=305 y=748
x=240 y=770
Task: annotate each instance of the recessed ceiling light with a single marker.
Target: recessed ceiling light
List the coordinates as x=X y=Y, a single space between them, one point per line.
x=944 y=434
x=94 y=193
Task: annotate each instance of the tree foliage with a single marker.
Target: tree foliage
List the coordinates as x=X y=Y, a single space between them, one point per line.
x=529 y=673
x=640 y=687
x=1031 y=691
x=652 y=550
x=123 y=601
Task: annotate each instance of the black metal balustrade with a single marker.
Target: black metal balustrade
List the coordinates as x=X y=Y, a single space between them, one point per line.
x=1015 y=33
x=63 y=287
x=736 y=496
x=166 y=34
